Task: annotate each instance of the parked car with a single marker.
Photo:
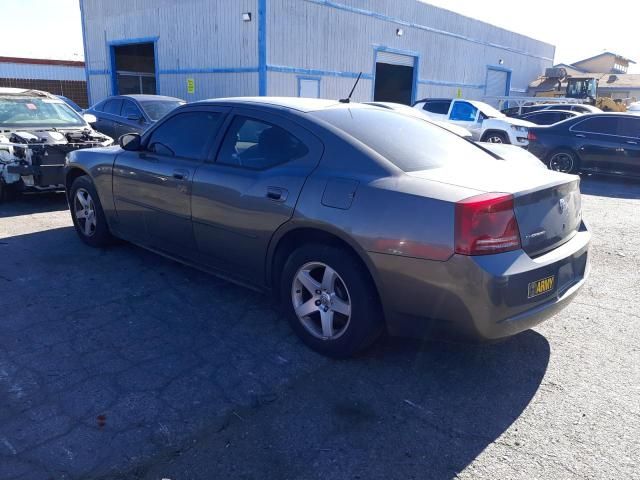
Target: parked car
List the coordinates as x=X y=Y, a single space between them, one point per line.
x=131 y=113
x=37 y=130
x=485 y=123
x=634 y=108
x=548 y=117
x=407 y=110
x=517 y=112
x=503 y=151
x=597 y=142
x=357 y=218
x=71 y=103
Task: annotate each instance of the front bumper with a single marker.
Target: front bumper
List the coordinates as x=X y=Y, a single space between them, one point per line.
x=482 y=297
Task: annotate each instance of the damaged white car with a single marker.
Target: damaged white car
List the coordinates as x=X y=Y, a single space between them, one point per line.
x=37 y=130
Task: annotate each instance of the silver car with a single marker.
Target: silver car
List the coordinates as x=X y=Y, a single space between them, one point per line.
x=356 y=218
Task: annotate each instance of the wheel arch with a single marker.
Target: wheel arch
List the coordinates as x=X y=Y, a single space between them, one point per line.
x=290 y=237
x=70 y=175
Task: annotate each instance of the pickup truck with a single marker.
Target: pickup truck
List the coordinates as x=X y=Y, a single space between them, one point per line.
x=485 y=123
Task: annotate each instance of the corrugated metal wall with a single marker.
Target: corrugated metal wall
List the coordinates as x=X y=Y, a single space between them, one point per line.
x=328 y=39
x=41 y=72
x=201 y=39
x=454 y=51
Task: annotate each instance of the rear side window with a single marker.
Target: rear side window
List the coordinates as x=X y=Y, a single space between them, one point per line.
x=258 y=145
x=112 y=107
x=185 y=135
x=630 y=127
x=130 y=108
x=410 y=143
x=604 y=125
x=437 y=106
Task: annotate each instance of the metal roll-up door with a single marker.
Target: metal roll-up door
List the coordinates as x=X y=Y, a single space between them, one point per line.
x=395 y=59
x=496 y=85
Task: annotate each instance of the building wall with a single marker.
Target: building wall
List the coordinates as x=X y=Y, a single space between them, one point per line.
x=67 y=80
x=454 y=51
x=208 y=41
x=602 y=64
x=200 y=39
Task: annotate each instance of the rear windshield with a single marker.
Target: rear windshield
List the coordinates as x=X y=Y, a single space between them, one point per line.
x=410 y=143
x=156 y=109
x=16 y=112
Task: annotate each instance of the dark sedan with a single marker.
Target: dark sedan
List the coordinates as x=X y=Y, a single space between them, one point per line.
x=131 y=113
x=548 y=117
x=600 y=143
x=357 y=218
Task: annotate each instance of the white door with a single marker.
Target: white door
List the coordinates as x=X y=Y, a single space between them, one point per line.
x=309 y=88
x=496 y=85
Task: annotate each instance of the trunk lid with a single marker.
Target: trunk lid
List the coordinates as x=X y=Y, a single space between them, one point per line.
x=547 y=204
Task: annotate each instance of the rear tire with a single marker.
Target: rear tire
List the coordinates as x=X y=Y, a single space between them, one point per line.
x=330 y=300
x=87 y=213
x=564 y=161
x=495 y=137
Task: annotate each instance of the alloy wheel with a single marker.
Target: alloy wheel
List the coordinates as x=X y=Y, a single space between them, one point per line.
x=495 y=139
x=561 y=162
x=85 y=212
x=321 y=301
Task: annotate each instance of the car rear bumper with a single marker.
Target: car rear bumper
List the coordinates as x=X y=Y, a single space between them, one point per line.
x=484 y=297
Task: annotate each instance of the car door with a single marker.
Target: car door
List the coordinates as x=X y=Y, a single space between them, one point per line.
x=629 y=157
x=598 y=142
x=249 y=189
x=468 y=116
x=131 y=119
x=110 y=118
x=152 y=187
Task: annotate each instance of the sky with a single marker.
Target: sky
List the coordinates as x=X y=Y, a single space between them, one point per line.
x=51 y=28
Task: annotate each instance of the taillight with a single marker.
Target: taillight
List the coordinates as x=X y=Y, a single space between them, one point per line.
x=486 y=224
x=531 y=136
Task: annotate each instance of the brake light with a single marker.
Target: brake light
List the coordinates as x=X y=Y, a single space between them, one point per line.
x=532 y=136
x=486 y=224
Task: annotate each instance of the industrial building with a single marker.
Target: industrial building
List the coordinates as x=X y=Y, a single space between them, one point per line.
x=405 y=49
x=608 y=68
x=60 y=77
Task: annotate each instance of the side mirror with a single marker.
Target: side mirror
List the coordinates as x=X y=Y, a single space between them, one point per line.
x=130 y=142
x=134 y=118
x=89 y=118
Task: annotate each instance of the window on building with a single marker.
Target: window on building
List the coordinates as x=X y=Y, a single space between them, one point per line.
x=258 y=145
x=309 y=87
x=135 y=66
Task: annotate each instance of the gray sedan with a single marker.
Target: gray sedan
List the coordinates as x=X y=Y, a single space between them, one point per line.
x=356 y=218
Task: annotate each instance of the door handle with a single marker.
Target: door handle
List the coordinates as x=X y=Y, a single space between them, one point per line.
x=631 y=142
x=277 y=194
x=579 y=135
x=180 y=174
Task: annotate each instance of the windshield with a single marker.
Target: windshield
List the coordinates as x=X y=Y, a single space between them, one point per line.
x=16 y=112
x=156 y=109
x=488 y=110
x=408 y=142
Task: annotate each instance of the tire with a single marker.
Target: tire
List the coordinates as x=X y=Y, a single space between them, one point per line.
x=495 y=137
x=347 y=297
x=563 y=160
x=96 y=234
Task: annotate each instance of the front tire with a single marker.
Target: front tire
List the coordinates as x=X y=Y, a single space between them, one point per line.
x=87 y=213
x=564 y=161
x=330 y=300
x=495 y=137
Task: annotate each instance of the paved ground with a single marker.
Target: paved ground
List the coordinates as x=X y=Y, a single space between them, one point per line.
x=119 y=364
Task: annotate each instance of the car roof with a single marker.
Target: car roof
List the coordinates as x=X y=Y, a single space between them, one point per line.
x=24 y=92
x=293 y=103
x=143 y=97
x=552 y=110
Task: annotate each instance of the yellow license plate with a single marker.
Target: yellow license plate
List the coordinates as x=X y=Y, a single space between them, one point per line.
x=542 y=286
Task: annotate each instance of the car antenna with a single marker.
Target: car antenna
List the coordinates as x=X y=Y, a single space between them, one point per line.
x=348 y=99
